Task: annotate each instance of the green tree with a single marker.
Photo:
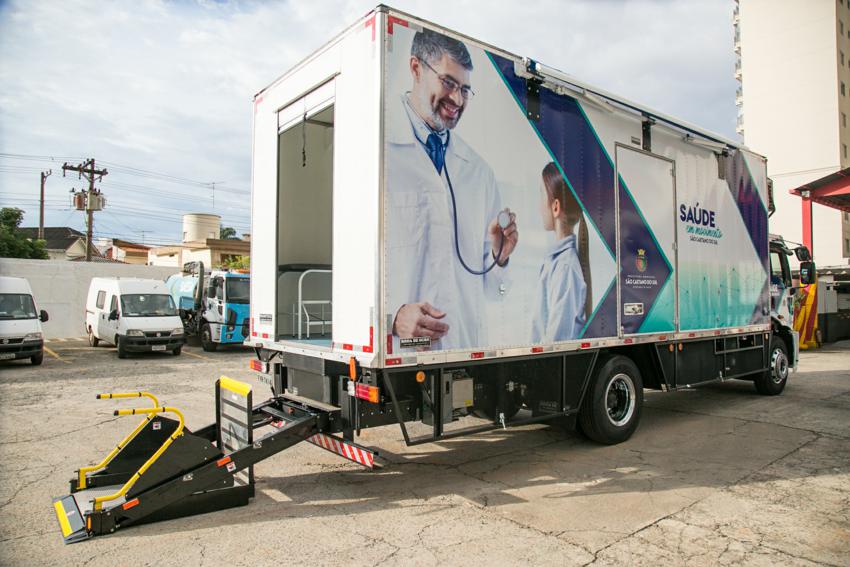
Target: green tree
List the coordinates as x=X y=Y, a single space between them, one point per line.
x=237 y=263
x=227 y=233
x=12 y=243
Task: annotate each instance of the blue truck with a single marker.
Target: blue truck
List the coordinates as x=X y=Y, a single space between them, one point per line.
x=213 y=304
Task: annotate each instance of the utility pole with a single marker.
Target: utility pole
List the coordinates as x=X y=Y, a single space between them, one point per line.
x=91 y=200
x=44 y=176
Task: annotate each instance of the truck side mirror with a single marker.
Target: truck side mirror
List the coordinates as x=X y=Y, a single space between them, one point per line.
x=43 y=317
x=802 y=253
x=808 y=273
x=113 y=315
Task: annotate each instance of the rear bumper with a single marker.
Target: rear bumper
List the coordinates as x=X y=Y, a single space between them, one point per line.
x=147 y=344
x=21 y=350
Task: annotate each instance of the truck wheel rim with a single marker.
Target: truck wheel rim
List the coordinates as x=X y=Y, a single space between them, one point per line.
x=780 y=365
x=620 y=399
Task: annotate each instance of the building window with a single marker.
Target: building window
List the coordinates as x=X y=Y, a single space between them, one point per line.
x=844 y=120
x=843 y=89
x=841 y=26
x=844 y=146
x=842 y=58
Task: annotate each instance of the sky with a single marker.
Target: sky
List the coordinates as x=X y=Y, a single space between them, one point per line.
x=160 y=92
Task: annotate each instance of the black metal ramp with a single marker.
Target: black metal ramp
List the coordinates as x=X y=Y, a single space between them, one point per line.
x=163 y=470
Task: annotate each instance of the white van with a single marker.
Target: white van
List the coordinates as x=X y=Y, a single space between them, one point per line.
x=135 y=315
x=20 y=322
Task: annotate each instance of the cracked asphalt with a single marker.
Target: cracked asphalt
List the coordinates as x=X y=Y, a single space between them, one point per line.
x=714 y=476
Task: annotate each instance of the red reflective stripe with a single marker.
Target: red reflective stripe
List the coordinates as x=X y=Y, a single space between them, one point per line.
x=223 y=461
x=369 y=348
x=585 y=345
x=629 y=341
x=265 y=335
x=346 y=346
x=476 y=355
x=393 y=20
x=393 y=361
x=371 y=22
x=537 y=349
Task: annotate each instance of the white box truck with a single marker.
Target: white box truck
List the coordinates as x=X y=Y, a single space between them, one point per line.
x=454 y=238
x=490 y=237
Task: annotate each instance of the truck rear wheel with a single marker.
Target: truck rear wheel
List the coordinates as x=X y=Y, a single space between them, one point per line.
x=772 y=381
x=206 y=339
x=612 y=405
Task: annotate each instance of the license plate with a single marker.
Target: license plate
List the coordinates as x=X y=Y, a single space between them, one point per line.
x=7 y=355
x=158 y=347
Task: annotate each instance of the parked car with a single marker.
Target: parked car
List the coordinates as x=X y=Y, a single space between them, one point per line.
x=135 y=315
x=20 y=322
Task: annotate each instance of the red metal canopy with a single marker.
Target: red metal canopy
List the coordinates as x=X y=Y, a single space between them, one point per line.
x=831 y=191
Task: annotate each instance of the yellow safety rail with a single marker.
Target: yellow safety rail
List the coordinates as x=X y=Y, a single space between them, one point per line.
x=81 y=482
x=98 y=502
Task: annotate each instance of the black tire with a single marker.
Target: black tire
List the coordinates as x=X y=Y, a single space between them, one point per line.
x=610 y=411
x=177 y=351
x=206 y=339
x=122 y=351
x=773 y=380
x=37 y=359
x=93 y=340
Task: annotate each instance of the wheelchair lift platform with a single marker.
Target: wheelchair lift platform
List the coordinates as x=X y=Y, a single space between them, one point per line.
x=163 y=470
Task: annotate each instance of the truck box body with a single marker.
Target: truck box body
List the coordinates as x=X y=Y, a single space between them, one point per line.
x=665 y=238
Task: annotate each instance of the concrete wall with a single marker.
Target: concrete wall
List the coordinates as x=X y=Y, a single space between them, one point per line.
x=60 y=287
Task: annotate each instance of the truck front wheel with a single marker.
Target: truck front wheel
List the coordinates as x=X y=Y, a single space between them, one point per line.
x=611 y=408
x=206 y=339
x=772 y=381
x=37 y=359
x=122 y=350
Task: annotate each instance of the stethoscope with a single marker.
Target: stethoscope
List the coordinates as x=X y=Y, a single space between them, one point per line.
x=504 y=219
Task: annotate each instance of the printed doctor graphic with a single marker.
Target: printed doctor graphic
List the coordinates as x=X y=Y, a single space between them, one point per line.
x=448 y=239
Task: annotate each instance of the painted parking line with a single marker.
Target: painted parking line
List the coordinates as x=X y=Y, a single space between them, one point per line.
x=186 y=352
x=56 y=356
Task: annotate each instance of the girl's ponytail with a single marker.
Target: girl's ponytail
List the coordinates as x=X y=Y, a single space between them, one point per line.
x=584 y=262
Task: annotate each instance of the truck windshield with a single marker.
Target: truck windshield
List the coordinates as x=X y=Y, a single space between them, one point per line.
x=237 y=290
x=147 y=305
x=16 y=306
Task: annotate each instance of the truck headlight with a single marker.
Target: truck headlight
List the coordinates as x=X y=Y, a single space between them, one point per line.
x=177 y=331
x=33 y=337
x=135 y=333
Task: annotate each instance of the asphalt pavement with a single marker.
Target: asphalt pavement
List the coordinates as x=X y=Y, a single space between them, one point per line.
x=715 y=475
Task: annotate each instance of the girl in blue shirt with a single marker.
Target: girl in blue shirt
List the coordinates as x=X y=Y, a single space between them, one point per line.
x=563 y=302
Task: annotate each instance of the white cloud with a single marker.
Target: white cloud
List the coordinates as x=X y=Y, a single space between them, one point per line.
x=168 y=86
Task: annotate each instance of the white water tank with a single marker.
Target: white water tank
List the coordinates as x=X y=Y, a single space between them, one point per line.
x=197 y=227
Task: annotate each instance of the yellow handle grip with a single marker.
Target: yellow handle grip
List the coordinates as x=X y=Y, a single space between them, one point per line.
x=139 y=411
x=121 y=395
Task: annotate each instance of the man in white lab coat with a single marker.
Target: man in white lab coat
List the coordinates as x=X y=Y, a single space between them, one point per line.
x=448 y=239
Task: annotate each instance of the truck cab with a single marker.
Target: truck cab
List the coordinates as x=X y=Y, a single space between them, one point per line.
x=214 y=304
x=783 y=290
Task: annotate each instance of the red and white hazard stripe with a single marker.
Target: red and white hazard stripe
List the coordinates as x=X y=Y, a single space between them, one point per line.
x=351 y=452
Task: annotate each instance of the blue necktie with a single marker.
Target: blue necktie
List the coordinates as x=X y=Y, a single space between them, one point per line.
x=436 y=151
